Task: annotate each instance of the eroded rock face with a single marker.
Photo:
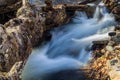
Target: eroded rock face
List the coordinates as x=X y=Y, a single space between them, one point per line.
x=55 y=17
x=19 y=35
x=3 y=36
x=14 y=45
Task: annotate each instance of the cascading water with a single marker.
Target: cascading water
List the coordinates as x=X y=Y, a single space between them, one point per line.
x=67 y=48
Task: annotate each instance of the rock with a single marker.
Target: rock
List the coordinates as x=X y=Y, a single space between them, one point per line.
x=117 y=47
x=10 y=8
x=116 y=38
x=19 y=35
x=99 y=44
x=117 y=28
x=87 y=1
x=117 y=51
x=110 y=44
x=79 y=74
x=7 y=2
x=113 y=7
x=109 y=47
x=103 y=51
x=98 y=69
x=111 y=34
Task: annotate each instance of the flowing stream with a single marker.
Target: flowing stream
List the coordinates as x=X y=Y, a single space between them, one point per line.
x=67 y=48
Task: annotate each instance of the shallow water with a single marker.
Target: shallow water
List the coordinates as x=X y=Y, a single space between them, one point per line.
x=67 y=48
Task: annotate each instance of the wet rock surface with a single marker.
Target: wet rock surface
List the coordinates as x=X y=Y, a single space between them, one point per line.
x=113 y=7
x=69 y=75
x=105 y=63
x=18 y=37
x=7 y=2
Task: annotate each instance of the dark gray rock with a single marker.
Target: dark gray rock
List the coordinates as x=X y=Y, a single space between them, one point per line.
x=7 y=2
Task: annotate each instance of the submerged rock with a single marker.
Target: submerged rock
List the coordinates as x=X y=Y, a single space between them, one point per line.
x=69 y=75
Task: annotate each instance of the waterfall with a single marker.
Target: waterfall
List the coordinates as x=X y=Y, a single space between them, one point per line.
x=66 y=50
x=97 y=13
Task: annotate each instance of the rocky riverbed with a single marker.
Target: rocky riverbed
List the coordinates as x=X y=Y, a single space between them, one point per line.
x=106 y=61
x=32 y=20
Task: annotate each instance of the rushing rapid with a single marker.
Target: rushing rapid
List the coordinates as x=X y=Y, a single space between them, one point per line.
x=67 y=48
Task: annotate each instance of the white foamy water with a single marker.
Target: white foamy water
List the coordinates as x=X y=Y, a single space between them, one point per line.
x=66 y=50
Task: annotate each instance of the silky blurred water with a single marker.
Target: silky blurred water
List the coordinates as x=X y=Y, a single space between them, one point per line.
x=67 y=48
